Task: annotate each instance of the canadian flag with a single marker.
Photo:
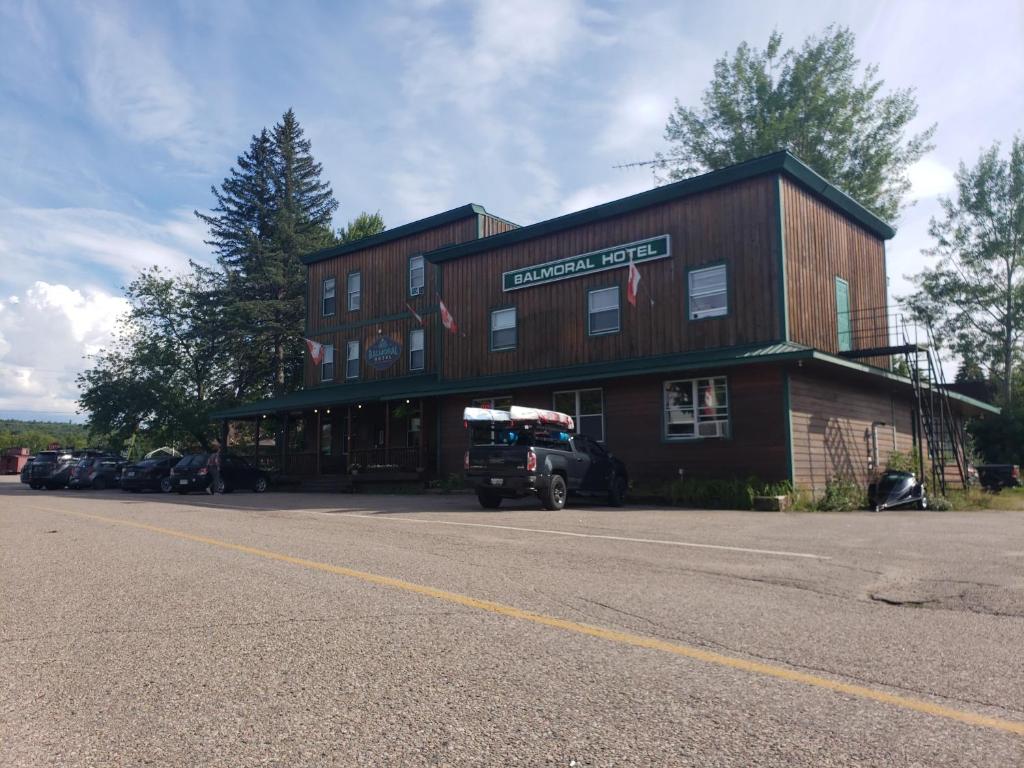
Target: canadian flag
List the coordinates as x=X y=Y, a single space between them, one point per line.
x=316 y=350
x=414 y=313
x=446 y=317
x=633 y=284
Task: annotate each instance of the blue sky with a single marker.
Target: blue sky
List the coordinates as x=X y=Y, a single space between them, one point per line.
x=118 y=117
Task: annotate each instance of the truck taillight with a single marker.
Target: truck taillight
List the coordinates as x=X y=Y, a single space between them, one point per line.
x=531 y=461
x=1016 y=471
x=202 y=471
x=465 y=460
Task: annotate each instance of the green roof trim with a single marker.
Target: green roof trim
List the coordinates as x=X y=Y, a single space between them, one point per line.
x=897 y=378
x=425 y=385
x=406 y=230
x=783 y=162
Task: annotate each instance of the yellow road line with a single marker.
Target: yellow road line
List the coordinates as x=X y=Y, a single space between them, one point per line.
x=611 y=635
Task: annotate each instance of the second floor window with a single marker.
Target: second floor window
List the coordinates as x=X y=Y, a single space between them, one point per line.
x=330 y=301
x=708 y=293
x=503 y=328
x=355 y=291
x=603 y=311
x=417 y=359
x=417 y=277
x=352 y=361
x=327 y=365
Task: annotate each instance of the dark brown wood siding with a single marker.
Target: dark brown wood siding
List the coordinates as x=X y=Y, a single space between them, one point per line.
x=831 y=428
x=385 y=292
x=634 y=426
x=821 y=245
x=734 y=225
x=492 y=225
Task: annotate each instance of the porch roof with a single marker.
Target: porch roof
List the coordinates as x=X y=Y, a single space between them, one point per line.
x=429 y=385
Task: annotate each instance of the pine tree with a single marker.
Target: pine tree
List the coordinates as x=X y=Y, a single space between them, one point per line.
x=271 y=209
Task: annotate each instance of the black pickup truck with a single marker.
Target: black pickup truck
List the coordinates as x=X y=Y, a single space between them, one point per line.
x=995 y=477
x=509 y=461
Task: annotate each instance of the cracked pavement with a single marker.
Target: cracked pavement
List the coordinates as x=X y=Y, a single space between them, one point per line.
x=126 y=646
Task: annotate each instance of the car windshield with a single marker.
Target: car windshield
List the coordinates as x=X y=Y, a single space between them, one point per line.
x=46 y=456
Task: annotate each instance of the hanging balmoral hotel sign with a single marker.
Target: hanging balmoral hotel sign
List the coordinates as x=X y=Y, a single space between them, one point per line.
x=588 y=263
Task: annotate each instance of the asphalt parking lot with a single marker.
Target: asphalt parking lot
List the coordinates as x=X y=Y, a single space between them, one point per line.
x=300 y=629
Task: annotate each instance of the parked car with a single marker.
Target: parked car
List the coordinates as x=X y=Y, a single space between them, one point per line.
x=521 y=457
x=61 y=476
x=192 y=474
x=97 y=472
x=24 y=470
x=995 y=477
x=42 y=469
x=897 y=489
x=236 y=473
x=154 y=474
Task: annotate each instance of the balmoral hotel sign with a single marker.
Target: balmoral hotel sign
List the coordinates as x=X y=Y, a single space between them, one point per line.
x=588 y=263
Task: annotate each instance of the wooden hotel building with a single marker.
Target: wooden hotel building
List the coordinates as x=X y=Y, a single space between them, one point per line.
x=759 y=344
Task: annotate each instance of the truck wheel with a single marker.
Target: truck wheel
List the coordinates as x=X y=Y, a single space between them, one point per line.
x=488 y=500
x=166 y=485
x=617 y=491
x=553 y=497
x=261 y=485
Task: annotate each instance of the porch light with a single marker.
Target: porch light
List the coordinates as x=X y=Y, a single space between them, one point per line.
x=264 y=415
x=406 y=402
x=328 y=411
x=360 y=405
x=315 y=411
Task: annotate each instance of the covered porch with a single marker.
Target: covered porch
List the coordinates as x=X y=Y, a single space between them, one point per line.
x=337 y=437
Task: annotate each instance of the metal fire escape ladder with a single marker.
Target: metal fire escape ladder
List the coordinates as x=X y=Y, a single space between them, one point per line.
x=937 y=424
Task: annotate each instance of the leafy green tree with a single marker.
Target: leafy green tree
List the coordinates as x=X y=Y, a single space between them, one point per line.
x=169 y=366
x=974 y=295
x=811 y=101
x=364 y=225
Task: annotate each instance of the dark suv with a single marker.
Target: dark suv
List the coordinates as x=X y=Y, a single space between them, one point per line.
x=43 y=468
x=98 y=472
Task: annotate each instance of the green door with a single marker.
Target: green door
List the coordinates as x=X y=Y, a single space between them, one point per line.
x=843 y=315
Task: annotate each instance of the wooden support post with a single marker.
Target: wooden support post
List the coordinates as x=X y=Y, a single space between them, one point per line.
x=316 y=442
x=256 y=448
x=283 y=448
x=387 y=433
x=348 y=440
x=419 y=437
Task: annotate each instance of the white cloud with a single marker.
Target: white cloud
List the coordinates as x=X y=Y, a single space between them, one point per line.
x=930 y=178
x=134 y=88
x=596 y=194
x=43 y=342
x=76 y=243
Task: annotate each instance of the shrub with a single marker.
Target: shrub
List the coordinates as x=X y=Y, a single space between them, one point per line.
x=842 y=494
x=730 y=493
x=940 y=503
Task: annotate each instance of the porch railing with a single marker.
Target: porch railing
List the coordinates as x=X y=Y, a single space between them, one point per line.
x=384 y=459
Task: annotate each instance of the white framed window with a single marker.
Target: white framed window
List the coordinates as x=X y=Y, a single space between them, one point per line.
x=493 y=403
x=416 y=275
x=503 y=329
x=708 y=292
x=329 y=300
x=586 y=406
x=696 y=408
x=417 y=359
x=327 y=364
x=603 y=311
x=355 y=291
x=352 y=360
